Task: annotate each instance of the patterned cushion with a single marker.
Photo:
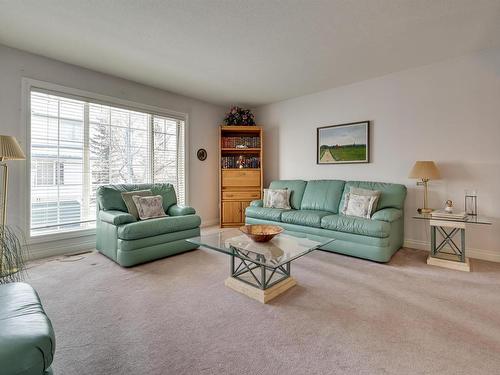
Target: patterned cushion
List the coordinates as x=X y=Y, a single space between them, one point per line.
x=149 y=207
x=369 y=193
x=129 y=202
x=358 y=205
x=277 y=198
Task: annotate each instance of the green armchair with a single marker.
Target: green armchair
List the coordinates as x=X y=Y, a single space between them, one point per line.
x=128 y=241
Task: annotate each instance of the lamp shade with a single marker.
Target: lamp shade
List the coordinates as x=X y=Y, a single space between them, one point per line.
x=425 y=169
x=10 y=149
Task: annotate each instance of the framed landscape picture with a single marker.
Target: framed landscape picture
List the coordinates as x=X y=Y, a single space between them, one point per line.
x=344 y=143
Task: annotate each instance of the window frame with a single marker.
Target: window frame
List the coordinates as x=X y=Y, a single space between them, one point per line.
x=28 y=85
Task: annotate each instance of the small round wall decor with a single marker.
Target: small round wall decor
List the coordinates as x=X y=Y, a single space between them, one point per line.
x=201 y=154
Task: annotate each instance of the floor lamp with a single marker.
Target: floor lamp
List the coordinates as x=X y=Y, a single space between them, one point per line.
x=9 y=150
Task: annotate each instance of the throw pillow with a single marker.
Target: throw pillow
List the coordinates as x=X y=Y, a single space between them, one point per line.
x=129 y=202
x=358 y=205
x=149 y=207
x=277 y=198
x=369 y=193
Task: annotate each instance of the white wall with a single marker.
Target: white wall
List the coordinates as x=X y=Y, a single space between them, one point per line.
x=448 y=112
x=204 y=119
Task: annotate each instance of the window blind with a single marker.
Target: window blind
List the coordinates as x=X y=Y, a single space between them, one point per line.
x=79 y=145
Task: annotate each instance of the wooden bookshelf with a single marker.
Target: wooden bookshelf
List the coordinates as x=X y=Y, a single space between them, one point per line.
x=240 y=171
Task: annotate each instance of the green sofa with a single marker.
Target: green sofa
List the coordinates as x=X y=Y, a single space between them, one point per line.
x=128 y=241
x=315 y=210
x=27 y=341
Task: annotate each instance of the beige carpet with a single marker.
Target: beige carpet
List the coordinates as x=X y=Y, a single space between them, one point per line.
x=346 y=316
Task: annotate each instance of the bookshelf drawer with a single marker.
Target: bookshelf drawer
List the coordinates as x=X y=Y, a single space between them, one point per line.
x=241 y=195
x=241 y=177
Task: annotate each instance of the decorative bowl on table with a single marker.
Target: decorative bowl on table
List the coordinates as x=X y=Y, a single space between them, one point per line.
x=261 y=232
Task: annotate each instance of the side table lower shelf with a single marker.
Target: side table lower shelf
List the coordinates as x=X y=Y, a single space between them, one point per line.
x=451 y=264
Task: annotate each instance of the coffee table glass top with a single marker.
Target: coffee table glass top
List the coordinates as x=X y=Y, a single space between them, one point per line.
x=468 y=220
x=282 y=249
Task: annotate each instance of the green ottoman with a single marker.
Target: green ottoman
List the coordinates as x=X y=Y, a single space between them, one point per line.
x=27 y=341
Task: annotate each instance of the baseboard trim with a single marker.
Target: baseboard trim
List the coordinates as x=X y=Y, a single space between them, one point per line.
x=492 y=256
x=60 y=247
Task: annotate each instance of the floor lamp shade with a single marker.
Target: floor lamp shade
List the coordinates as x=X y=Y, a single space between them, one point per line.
x=10 y=149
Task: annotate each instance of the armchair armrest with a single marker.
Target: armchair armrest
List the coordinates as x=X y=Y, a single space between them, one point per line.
x=116 y=217
x=387 y=214
x=176 y=210
x=257 y=203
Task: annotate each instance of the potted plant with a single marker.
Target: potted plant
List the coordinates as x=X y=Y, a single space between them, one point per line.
x=239 y=116
x=12 y=260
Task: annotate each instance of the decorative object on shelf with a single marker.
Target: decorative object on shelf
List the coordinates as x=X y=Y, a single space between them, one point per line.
x=344 y=143
x=471 y=202
x=425 y=171
x=239 y=116
x=240 y=162
x=261 y=232
x=11 y=257
x=201 y=154
x=449 y=206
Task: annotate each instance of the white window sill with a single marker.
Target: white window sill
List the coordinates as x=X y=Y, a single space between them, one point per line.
x=61 y=235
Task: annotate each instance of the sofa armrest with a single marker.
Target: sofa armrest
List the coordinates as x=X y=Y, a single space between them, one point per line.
x=387 y=214
x=176 y=210
x=116 y=217
x=257 y=203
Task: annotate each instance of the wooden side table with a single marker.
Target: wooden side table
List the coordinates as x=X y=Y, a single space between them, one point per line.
x=448 y=229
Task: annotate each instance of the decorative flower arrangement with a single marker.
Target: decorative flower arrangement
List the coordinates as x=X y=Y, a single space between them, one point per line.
x=239 y=116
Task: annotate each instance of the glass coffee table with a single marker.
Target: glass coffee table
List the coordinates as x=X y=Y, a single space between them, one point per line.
x=261 y=270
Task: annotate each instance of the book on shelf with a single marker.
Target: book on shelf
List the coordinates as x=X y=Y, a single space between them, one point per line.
x=240 y=142
x=230 y=162
x=442 y=214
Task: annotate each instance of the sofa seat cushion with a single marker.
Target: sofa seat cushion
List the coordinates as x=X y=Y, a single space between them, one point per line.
x=310 y=218
x=27 y=341
x=156 y=227
x=273 y=214
x=356 y=225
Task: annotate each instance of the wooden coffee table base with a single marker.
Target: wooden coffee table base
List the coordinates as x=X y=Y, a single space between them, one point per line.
x=261 y=295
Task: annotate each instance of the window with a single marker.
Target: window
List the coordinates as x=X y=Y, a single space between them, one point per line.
x=78 y=145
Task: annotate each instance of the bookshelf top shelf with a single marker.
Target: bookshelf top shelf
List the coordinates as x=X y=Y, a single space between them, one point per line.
x=240 y=149
x=240 y=128
x=240 y=169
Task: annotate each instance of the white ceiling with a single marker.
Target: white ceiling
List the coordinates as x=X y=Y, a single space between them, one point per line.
x=249 y=51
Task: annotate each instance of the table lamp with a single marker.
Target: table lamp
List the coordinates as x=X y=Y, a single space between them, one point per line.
x=9 y=150
x=425 y=170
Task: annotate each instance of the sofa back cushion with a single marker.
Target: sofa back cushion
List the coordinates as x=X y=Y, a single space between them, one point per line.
x=109 y=197
x=295 y=186
x=393 y=195
x=322 y=195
